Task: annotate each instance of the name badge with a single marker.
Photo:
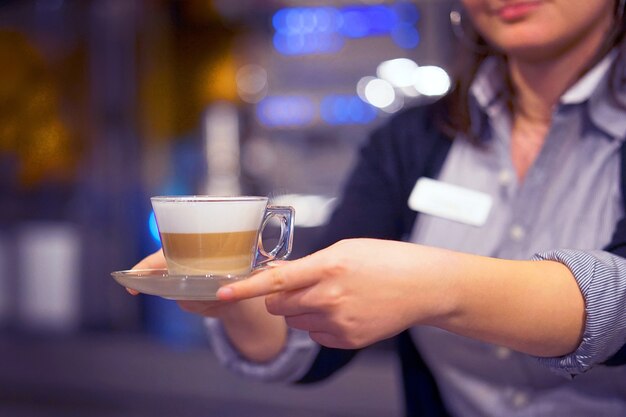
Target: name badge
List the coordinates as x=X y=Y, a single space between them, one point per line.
x=450 y=202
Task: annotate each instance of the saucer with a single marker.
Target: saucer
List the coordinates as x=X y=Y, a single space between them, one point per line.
x=174 y=287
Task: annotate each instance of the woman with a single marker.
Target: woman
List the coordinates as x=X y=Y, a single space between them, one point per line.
x=512 y=291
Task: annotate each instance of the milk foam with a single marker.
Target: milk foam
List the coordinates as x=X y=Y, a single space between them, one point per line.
x=186 y=215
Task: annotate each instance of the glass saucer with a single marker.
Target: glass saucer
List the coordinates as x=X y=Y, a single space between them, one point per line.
x=174 y=287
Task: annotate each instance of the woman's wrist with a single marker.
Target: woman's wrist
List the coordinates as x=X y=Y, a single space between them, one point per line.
x=257 y=335
x=438 y=285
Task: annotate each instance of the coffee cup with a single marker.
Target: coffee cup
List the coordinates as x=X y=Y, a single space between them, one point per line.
x=212 y=235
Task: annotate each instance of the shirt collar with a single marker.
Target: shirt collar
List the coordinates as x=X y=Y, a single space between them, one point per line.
x=489 y=84
x=593 y=89
x=486 y=90
x=587 y=85
x=607 y=104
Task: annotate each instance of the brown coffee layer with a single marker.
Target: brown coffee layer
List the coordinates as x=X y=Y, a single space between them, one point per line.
x=231 y=252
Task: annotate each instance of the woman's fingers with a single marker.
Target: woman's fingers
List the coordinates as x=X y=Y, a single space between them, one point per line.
x=285 y=277
x=292 y=303
x=131 y=291
x=205 y=308
x=327 y=339
x=320 y=329
x=309 y=322
x=153 y=261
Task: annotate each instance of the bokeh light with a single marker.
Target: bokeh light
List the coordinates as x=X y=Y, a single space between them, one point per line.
x=346 y=109
x=379 y=93
x=251 y=83
x=154 y=230
x=317 y=30
x=431 y=81
x=399 y=72
x=285 y=111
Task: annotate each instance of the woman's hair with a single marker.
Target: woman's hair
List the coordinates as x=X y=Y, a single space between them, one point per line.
x=473 y=50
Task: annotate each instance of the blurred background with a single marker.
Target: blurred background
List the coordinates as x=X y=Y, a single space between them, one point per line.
x=104 y=103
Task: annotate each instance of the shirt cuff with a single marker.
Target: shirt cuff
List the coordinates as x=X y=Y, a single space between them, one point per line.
x=291 y=364
x=601 y=277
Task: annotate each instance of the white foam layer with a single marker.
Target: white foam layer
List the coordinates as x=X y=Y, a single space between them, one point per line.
x=208 y=216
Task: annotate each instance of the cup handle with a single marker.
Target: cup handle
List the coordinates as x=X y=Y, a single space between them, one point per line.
x=282 y=249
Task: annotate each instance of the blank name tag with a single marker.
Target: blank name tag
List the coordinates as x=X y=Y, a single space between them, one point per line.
x=450 y=202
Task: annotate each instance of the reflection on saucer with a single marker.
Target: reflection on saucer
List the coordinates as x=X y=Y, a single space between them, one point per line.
x=174 y=287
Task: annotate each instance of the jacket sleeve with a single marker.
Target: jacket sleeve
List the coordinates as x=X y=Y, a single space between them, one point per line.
x=368 y=207
x=617 y=247
x=374 y=199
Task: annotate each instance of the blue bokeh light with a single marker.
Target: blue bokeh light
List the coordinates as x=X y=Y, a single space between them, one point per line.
x=346 y=109
x=285 y=111
x=309 y=30
x=407 y=12
x=154 y=230
x=405 y=36
x=317 y=30
x=355 y=24
x=362 y=21
x=310 y=43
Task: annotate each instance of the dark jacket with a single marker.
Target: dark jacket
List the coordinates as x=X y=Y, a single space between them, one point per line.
x=374 y=204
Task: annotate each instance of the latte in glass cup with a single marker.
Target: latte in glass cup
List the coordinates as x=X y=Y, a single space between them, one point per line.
x=207 y=235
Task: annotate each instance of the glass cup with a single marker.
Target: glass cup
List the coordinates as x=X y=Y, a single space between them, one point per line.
x=211 y=235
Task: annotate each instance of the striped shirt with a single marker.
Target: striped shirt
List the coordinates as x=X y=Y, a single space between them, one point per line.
x=565 y=210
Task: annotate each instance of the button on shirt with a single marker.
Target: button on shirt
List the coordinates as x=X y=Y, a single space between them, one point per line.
x=570 y=198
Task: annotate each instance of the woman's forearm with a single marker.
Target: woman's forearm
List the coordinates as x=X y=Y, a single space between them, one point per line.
x=535 y=307
x=360 y=291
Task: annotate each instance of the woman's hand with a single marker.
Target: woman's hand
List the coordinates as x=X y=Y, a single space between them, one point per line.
x=257 y=335
x=349 y=295
x=215 y=308
x=155 y=260
x=360 y=291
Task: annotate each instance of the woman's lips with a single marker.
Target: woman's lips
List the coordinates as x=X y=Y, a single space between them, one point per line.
x=518 y=10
